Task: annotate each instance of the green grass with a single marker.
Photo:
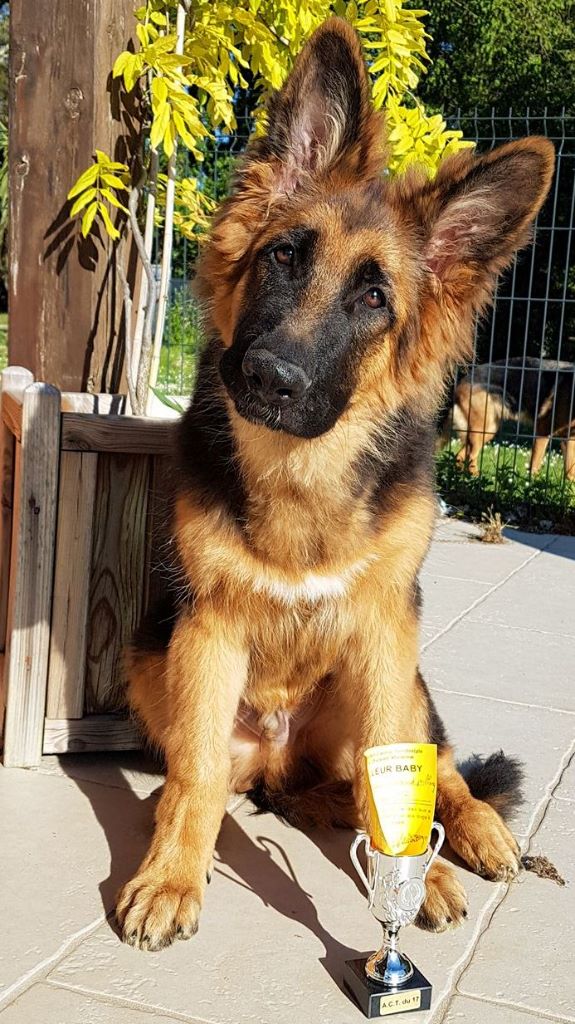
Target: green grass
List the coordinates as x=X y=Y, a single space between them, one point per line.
x=545 y=502
x=180 y=348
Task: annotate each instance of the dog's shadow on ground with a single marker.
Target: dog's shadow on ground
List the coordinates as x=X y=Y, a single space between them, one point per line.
x=127 y=823
x=254 y=862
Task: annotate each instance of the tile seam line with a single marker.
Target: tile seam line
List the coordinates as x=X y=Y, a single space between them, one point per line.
x=537 y=820
x=484 y=597
x=524 y=629
x=453 y=978
x=519 y=1007
x=540 y=812
x=459 y=969
x=40 y=970
x=502 y=700
x=430 y=574
x=97 y=782
x=108 y=999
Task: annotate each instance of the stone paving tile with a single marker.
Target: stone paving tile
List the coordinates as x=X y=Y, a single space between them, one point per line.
x=525 y=957
x=483 y=563
x=563 y=547
x=56 y=873
x=539 y=738
x=510 y=664
x=282 y=915
x=445 y=599
x=131 y=769
x=447 y=529
x=566 y=788
x=48 y=1004
x=541 y=596
x=476 y=1011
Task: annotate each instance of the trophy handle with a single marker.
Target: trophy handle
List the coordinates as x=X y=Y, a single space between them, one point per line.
x=360 y=838
x=438 y=844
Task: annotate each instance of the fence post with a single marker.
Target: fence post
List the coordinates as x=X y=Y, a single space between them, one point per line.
x=65 y=305
x=31 y=575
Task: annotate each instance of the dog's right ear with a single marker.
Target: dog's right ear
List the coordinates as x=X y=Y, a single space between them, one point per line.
x=323 y=116
x=321 y=123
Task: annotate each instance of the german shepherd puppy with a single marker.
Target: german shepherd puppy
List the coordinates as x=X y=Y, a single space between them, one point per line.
x=539 y=392
x=337 y=300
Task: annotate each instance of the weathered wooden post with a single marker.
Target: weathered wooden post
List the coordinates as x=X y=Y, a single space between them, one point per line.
x=65 y=302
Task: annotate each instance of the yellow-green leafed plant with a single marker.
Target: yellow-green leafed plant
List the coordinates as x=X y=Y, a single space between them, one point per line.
x=97 y=186
x=192 y=58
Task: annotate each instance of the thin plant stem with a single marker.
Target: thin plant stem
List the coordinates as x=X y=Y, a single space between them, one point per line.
x=128 y=340
x=148 y=242
x=166 y=265
x=143 y=374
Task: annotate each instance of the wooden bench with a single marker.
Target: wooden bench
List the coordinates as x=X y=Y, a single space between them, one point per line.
x=83 y=504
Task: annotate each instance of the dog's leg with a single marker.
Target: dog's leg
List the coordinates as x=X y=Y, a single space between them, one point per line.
x=206 y=673
x=474 y=829
x=540 y=445
x=568 y=448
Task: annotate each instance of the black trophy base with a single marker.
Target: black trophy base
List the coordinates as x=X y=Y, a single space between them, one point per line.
x=378 y=1000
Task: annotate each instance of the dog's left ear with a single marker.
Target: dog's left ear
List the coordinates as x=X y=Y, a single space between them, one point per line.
x=323 y=116
x=479 y=211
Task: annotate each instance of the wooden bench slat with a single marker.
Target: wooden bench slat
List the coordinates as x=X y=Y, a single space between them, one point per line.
x=67 y=665
x=120 y=434
x=92 y=733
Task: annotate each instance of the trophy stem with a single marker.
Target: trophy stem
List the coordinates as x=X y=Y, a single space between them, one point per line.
x=388 y=966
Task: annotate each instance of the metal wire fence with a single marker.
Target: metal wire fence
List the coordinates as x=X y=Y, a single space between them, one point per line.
x=510 y=420
x=518 y=395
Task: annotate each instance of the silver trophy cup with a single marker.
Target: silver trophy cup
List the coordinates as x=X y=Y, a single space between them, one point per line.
x=396 y=889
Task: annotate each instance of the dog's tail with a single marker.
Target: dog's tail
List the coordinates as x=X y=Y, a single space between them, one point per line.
x=496 y=779
x=325 y=805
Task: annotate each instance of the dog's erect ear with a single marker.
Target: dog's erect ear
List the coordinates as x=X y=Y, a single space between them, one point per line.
x=323 y=114
x=479 y=211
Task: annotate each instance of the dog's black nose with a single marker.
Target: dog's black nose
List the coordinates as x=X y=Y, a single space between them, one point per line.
x=273 y=379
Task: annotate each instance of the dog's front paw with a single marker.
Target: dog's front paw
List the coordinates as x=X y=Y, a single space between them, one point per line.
x=152 y=911
x=480 y=837
x=445 y=904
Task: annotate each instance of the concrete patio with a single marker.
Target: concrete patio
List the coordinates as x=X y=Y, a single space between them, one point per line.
x=284 y=911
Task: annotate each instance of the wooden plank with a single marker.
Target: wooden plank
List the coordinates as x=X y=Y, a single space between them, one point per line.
x=160 y=551
x=34 y=537
x=12 y=415
x=13 y=381
x=117 y=574
x=75 y=401
x=122 y=434
x=67 y=664
x=95 y=732
x=66 y=317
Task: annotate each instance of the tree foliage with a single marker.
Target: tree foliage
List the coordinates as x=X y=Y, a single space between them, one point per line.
x=229 y=47
x=507 y=53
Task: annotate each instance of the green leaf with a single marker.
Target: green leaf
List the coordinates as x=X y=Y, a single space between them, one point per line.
x=88 y=218
x=159 y=124
x=166 y=400
x=83 y=200
x=87 y=178
x=114 y=180
x=120 y=63
x=159 y=89
x=112 y=231
x=113 y=200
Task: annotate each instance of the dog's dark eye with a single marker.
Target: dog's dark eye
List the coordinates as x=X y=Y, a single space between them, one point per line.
x=374 y=298
x=284 y=254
